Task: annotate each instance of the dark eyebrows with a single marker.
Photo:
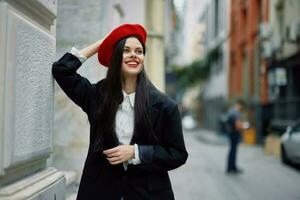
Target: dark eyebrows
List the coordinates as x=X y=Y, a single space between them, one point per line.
x=127 y=47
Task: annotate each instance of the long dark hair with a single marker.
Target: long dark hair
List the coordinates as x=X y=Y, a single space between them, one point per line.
x=112 y=97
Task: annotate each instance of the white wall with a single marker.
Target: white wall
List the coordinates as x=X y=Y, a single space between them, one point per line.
x=291 y=15
x=192 y=28
x=216 y=86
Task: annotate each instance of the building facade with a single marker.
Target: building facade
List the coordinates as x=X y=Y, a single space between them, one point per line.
x=282 y=47
x=247 y=80
x=27 y=50
x=215 y=18
x=264 y=57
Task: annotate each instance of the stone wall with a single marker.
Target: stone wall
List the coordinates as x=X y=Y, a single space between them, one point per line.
x=27 y=50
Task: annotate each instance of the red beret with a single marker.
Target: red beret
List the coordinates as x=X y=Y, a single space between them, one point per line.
x=105 y=50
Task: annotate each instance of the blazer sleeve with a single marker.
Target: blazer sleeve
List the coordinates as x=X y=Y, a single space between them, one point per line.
x=76 y=87
x=172 y=152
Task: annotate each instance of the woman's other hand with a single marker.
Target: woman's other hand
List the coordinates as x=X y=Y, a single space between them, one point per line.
x=119 y=154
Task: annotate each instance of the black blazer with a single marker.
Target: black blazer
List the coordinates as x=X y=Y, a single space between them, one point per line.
x=148 y=180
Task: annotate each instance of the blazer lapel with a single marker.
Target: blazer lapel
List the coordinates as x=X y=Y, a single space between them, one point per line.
x=154 y=99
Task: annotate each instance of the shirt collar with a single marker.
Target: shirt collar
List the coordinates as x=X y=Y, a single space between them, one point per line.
x=131 y=97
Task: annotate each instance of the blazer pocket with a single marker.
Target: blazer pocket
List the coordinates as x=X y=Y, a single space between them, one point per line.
x=159 y=182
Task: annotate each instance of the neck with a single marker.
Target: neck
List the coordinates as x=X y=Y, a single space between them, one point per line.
x=129 y=84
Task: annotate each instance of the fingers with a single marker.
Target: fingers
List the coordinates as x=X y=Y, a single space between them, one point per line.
x=116 y=154
x=111 y=151
x=113 y=156
x=114 y=159
x=115 y=163
x=119 y=154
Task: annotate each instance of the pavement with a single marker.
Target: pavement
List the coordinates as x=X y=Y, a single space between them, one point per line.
x=208 y=136
x=203 y=176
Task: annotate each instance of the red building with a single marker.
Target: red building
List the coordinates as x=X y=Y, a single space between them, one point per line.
x=244 y=31
x=247 y=71
x=263 y=77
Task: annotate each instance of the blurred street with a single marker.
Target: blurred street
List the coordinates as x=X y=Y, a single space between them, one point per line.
x=203 y=177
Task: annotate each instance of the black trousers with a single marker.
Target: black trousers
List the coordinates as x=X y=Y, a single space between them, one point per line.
x=234 y=139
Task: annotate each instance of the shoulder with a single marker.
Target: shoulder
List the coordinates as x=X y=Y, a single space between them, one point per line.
x=100 y=83
x=168 y=103
x=98 y=88
x=159 y=98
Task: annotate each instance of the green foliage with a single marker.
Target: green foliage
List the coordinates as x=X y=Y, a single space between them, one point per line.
x=195 y=73
x=192 y=74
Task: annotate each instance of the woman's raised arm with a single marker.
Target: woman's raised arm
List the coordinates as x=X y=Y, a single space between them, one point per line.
x=91 y=50
x=77 y=88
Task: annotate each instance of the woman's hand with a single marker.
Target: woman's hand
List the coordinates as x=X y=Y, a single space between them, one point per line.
x=119 y=154
x=92 y=49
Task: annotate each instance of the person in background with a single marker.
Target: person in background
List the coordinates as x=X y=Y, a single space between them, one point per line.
x=234 y=127
x=135 y=130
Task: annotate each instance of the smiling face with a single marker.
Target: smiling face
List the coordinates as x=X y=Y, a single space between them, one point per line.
x=133 y=57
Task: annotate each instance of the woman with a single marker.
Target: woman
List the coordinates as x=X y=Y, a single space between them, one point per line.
x=135 y=130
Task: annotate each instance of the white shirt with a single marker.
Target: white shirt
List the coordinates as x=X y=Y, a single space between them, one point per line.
x=124 y=121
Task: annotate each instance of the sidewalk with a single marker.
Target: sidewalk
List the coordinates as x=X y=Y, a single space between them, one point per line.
x=208 y=136
x=203 y=176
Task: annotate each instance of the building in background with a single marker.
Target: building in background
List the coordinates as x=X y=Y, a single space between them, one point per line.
x=171 y=45
x=191 y=47
x=171 y=33
x=27 y=50
x=264 y=62
x=183 y=48
x=279 y=71
x=215 y=18
x=282 y=51
x=244 y=59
